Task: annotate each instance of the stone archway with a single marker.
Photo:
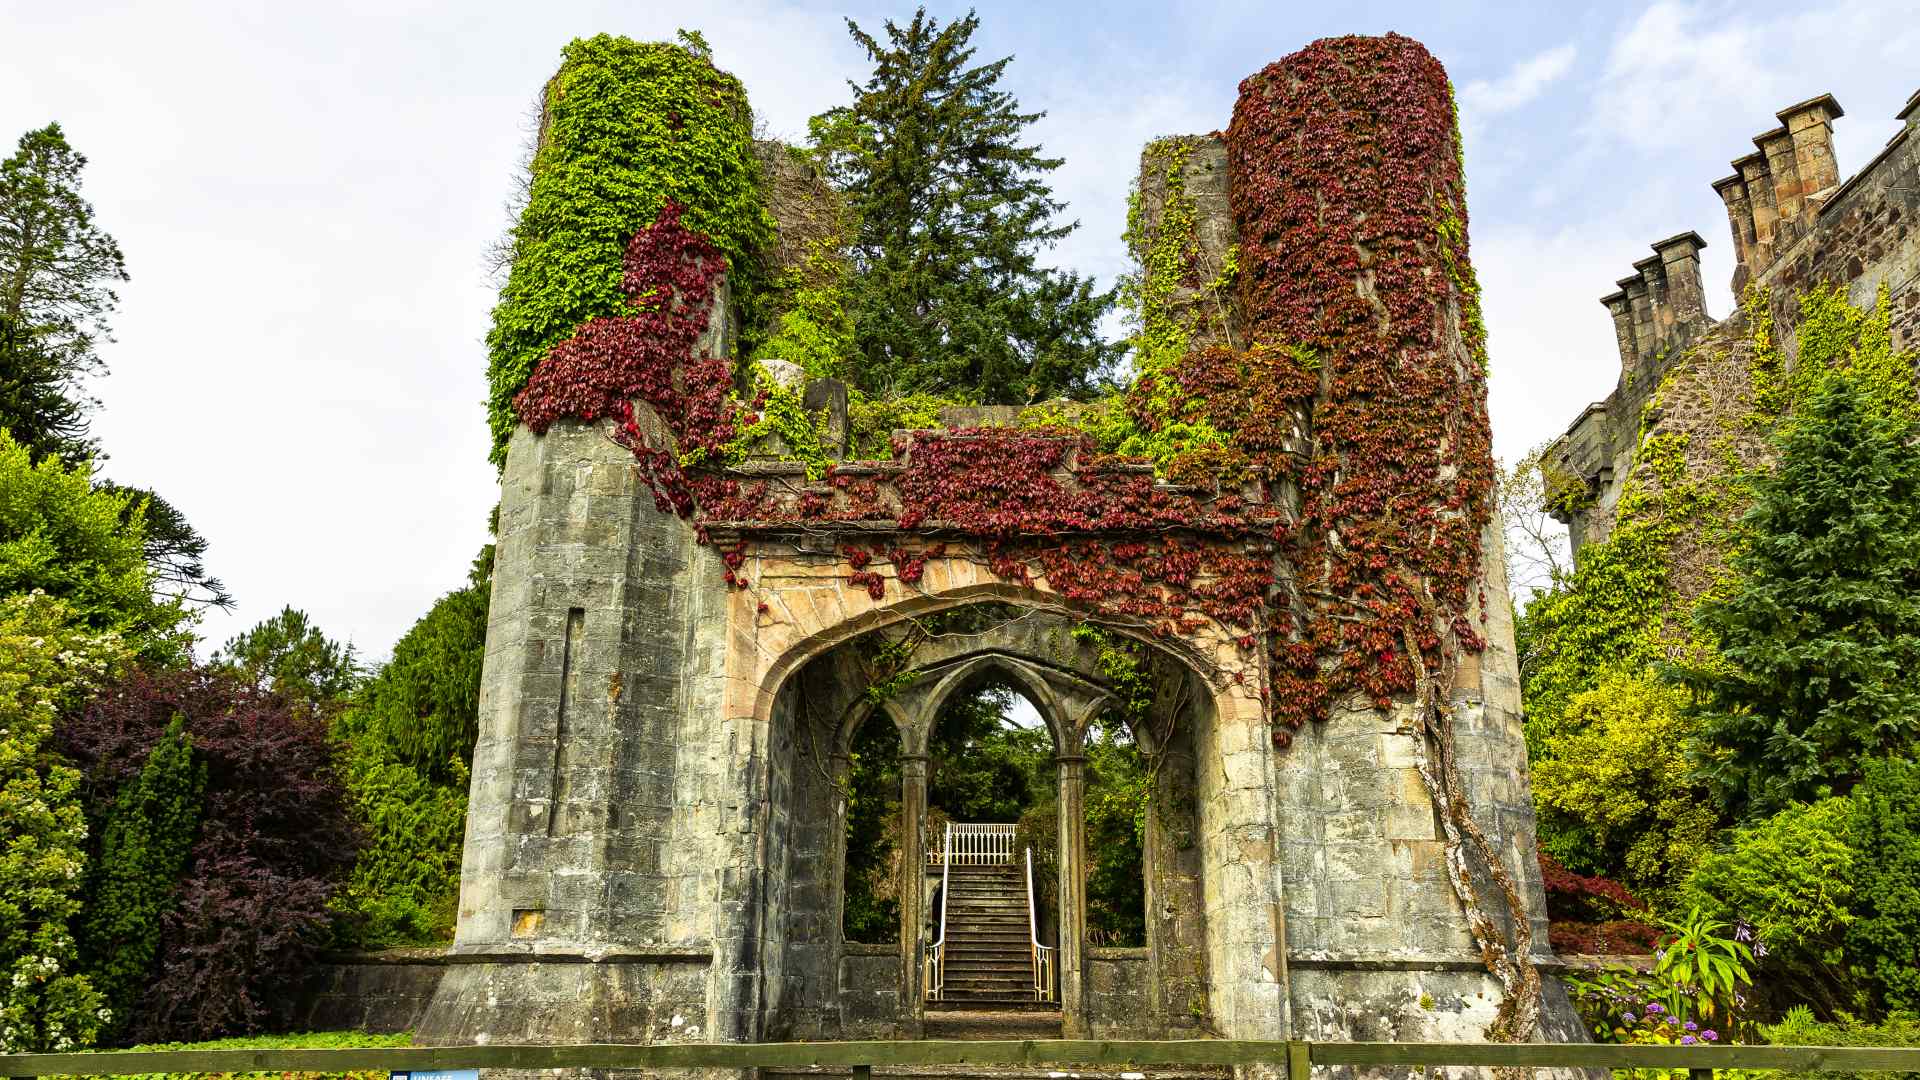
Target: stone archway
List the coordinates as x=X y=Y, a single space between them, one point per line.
x=1154 y=989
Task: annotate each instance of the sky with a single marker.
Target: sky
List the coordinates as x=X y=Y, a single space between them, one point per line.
x=306 y=194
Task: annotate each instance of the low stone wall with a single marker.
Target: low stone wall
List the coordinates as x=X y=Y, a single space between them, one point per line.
x=382 y=993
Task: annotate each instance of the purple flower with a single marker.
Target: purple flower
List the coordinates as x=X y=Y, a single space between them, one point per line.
x=1671 y=1021
x=1759 y=949
x=1687 y=1040
x=1655 y=1007
x=1691 y=1026
x=1710 y=1035
x=1626 y=1018
x=1742 y=931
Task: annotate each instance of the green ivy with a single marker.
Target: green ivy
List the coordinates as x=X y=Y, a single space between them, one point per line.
x=814 y=331
x=1167 y=252
x=626 y=127
x=783 y=414
x=871 y=421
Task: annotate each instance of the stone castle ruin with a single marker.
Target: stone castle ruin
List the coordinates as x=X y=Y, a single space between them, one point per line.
x=1796 y=226
x=684 y=645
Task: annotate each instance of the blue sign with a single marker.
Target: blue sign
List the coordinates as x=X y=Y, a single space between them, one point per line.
x=436 y=1074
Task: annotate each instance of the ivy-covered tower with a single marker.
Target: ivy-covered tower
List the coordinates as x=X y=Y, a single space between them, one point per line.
x=1288 y=515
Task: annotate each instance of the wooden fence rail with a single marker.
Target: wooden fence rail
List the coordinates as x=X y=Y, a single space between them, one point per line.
x=1297 y=1057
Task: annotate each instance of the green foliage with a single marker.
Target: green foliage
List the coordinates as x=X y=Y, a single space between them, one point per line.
x=1883 y=943
x=48 y=661
x=1791 y=878
x=783 y=415
x=1612 y=612
x=315 y=1040
x=175 y=550
x=1820 y=635
x=1800 y=1028
x=149 y=833
x=1119 y=794
x=1613 y=789
x=1701 y=967
x=289 y=656
x=946 y=293
x=627 y=127
x=871 y=421
x=1167 y=257
x=406 y=745
x=815 y=329
x=1833 y=336
x=57 y=273
x=870 y=911
x=61 y=534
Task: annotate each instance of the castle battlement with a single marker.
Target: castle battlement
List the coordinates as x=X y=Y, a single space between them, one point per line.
x=1796 y=224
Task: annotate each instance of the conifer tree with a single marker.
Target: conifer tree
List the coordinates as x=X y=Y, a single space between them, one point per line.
x=947 y=294
x=1820 y=633
x=57 y=272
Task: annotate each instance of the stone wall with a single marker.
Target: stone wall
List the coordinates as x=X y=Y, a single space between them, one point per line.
x=1794 y=225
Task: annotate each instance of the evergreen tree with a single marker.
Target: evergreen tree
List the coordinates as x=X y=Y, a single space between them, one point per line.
x=289 y=656
x=405 y=743
x=1820 y=633
x=946 y=293
x=1883 y=941
x=143 y=849
x=176 y=552
x=57 y=272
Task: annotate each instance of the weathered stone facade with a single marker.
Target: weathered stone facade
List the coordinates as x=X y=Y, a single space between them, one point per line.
x=655 y=844
x=1794 y=225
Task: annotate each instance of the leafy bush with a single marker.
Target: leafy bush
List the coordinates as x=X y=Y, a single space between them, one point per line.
x=405 y=743
x=289 y=655
x=46 y=664
x=1613 y=789
x=1792 y=879
x=252 y=904
x=1884 y=940
x=1800 y=1028
x=83 y=545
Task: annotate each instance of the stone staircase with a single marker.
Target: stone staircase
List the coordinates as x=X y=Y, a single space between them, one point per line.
x=988 y=992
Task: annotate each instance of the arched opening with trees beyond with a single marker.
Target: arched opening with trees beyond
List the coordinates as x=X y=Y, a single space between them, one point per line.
x=1013 y=734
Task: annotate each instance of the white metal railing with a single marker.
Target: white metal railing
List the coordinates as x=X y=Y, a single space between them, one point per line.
x=974 y=845
x=933 y=974
x=1042 y=954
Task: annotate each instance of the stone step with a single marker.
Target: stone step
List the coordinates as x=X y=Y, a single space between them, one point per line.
x=991 y=965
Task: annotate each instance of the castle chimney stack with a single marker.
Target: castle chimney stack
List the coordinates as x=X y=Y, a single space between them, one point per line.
x=1810 y=126
x=1758 y=181
x=1622 y=311
x=1641 y=306
x=1733 y=192
x=1777 y=147
x=1680 y=261
x=1654 y=276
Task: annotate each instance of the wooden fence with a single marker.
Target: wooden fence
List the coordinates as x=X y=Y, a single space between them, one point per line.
x=1297 y=1057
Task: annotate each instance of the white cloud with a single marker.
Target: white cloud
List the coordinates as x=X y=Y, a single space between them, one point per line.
x=1523 y=84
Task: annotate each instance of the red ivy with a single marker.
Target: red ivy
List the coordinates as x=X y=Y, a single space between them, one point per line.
x=1363 y=394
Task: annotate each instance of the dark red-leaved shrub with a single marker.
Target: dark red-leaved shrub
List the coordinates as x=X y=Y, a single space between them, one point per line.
x=1592 y=914
x=250 y=908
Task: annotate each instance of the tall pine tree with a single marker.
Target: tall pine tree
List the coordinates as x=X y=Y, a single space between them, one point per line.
x=57 y=272
x=947 y=294
x=1821 y=632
